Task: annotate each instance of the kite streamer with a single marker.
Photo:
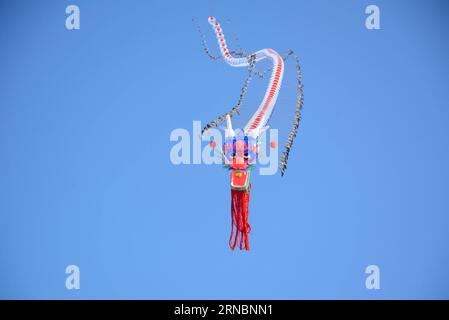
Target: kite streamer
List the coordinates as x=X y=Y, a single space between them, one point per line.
x=240 y=149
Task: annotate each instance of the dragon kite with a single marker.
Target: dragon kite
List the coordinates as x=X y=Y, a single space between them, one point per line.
x=240 y=148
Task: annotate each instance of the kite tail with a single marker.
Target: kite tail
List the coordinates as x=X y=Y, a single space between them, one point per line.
x=240 y=214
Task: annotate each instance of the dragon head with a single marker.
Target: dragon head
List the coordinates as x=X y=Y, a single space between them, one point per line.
x=240 y=152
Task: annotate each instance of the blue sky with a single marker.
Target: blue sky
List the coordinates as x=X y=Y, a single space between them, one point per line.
x=86 y=178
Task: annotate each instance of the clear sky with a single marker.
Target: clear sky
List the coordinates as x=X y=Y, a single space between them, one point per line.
x=86 y=177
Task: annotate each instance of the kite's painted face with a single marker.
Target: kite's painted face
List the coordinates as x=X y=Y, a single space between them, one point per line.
x=239 y=154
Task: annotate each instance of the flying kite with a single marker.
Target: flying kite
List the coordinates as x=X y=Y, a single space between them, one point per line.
x=240 y=149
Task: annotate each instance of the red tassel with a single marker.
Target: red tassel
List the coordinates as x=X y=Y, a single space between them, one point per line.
x=239 y=214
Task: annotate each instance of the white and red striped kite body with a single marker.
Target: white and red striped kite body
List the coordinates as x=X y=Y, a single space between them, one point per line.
x=263 y=113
